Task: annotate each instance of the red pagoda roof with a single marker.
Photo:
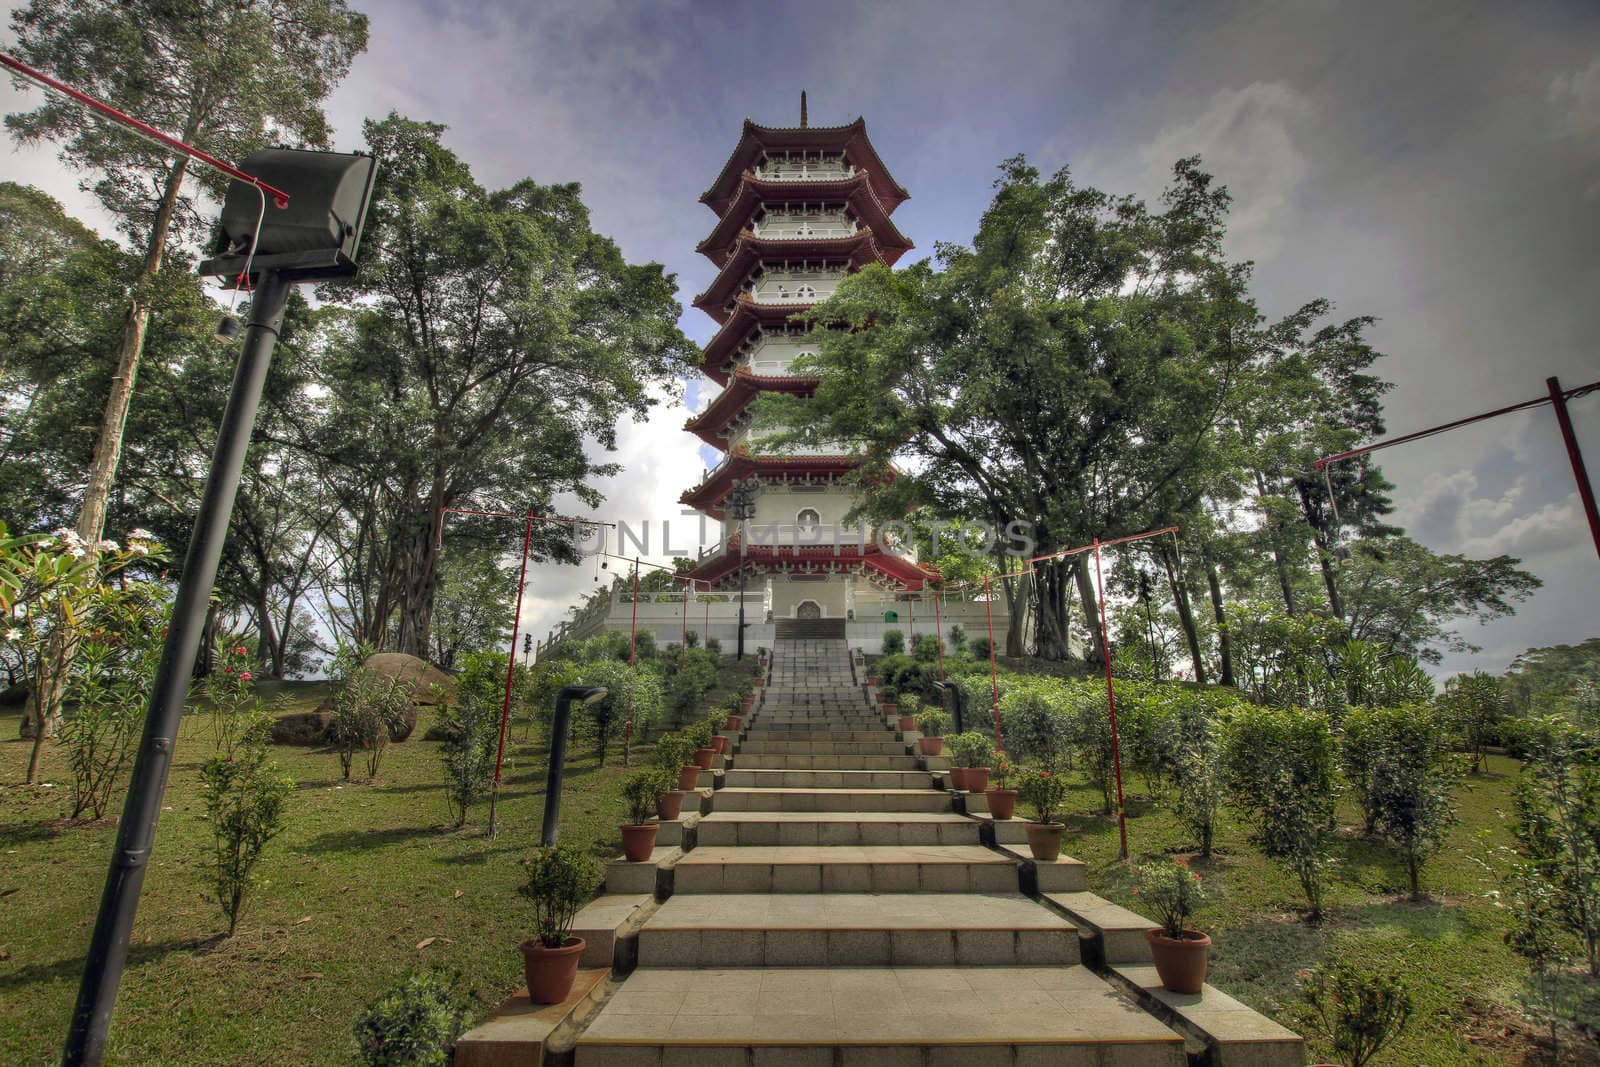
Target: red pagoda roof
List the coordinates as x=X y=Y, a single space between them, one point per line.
x=851 y=140
x=710 y=493
x=721 y=353
x=855 y=192
x=851 y=558
x=711 y=425
x=858 y=249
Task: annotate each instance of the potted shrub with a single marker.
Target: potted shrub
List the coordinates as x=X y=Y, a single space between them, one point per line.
x=714 y=722
x=891 y=708
x=639 y=833
x=1178 y=952
x=971 y=752
x=932 y=722
x=1359 y=1011
x=675 y=752
x=700 y=734
x=1046 y=792
x=672 y=752
x=560 y=881
x=1002 y=800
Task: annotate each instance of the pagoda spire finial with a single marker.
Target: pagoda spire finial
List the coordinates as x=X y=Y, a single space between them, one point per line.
x=803 y=109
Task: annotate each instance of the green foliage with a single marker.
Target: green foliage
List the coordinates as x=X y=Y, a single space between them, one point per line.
x=471 y=611
x=1046 y=791
x=1173 y=890
x=969 y=749
x=1559 y=679
x=1037 y=721
x=982 y=647
x=1197 y=771
x=688 y=685
x=1279 y=769
x=1557 y=827
x=699 y=733
x=640 y=790
x=636 y=697
x=894 y=643
x=932 y=722
x=245 y=801
x=925 y=648
x=365 y=705
x=560 y=881
x=471 y=728
x=1090 y=718
x=416 y=1022
x=958 y=638
x=1476 y=706
x=110 y=681
x=1400 y=763
x=674 y=751
x=1360 y=1011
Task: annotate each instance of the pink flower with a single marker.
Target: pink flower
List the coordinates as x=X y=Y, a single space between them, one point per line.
x=241 y=651
x=244 y=676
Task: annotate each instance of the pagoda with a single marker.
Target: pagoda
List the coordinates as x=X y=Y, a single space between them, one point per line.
x=797 y=208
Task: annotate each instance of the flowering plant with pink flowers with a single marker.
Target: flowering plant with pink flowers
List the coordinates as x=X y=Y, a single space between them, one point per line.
x=1173 y=890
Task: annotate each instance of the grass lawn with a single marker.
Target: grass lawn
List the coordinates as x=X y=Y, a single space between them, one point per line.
x=365 y=872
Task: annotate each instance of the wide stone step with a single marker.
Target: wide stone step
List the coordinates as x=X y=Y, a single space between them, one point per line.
x=855 y=930
x=740 y=778
x=745 y=828
x=739 y=799
x=874 y=1017
x=756 y=745
x=802 y=731
x=768 y=761
x=846 y=869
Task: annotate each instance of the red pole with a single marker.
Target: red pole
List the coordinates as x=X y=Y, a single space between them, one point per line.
x=279 y=198
x=511 y=667
x=994 y=671
x=683 y=633
x=938 y=633
x=1111 y=699
x=1558 y=400
x=911 y=609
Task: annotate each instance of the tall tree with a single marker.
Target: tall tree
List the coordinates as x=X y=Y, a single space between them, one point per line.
x=496 y=335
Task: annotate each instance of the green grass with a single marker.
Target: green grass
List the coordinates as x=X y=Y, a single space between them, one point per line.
x=1448 y=948
x=364 y=873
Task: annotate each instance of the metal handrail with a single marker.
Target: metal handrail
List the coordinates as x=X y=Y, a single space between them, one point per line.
x=589 y=694
x=957 y=702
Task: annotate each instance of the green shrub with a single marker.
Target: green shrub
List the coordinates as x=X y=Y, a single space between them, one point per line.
x=560 y=881
x=1173 y=890
x=639 y=793
x=416 y=1022
x=674 y=751
x=1197 y=772
x=471 y=729
x=1278 y=768
x=1359 y=1011
x=1403 y=768
x=969 y=749
x=366 y=705
x=714 y=646
x=894 y=642
x=933 y=722
x=958 y=638
x=982 y=648
x=1038 y=726
x=245 y=800
x=925 y=648
x=1046 y=791
x=1476 y=707
x=1091 y=737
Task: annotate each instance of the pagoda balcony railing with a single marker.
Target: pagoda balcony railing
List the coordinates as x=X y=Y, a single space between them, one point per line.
x=798 y=172
x=783 y=535
x=781 y=232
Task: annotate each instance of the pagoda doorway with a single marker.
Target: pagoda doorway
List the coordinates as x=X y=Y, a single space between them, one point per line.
x=808 y=609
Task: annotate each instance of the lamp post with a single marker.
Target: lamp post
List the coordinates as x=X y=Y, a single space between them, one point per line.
x=742 y=508
x=527 y=648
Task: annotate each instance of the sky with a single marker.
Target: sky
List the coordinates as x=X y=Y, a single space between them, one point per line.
x=1435 y=165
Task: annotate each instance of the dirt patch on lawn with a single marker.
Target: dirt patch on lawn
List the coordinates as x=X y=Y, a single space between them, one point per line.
x=1513 y=1039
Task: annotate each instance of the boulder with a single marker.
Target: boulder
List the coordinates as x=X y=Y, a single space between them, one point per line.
x=421 y=675
x=408 y=722
x=441 y=732
x=302 y=728
x=14 y=696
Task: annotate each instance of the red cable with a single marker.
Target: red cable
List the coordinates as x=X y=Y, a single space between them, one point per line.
x=280 y=198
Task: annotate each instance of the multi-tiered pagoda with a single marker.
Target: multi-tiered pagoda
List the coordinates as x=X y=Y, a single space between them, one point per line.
x=796 y=210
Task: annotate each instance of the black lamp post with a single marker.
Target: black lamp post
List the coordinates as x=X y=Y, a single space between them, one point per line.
x=742 y=508
x=313 y=239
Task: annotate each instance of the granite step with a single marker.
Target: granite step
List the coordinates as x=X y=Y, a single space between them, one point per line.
x=874 y=1017
x=757 y=745
x=741 y=799
x=769 y=761
x=855 y=930
x=744 y=828
x=758 y=778
x=845 y=869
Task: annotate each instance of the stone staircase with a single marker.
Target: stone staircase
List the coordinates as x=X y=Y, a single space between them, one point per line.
x=832 y=903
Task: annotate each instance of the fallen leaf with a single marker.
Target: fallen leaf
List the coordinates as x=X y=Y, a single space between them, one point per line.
x=425 y=942
x=308 y=977
x=458 y=895
x=302 y=922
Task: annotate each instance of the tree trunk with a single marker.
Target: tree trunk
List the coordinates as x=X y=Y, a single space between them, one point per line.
x=1049 y=584
x=1330 y=577
x=1180 y=600
x=1224 y=649
x=1091 y=612
x=1285 y=584
x=421 y=583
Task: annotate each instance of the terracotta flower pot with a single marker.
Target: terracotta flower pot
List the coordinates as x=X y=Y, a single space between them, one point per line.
x=957 y=778
x=907 y=723
x=931 y=746
x=760 y=682
x=734 y=723
x=669 y=805
x=1044 y=839
x=747 y=703
x=977 y=779
x=1180 y=961
x=704 y=756
x=1002 y=803
x=689 y=776
x=639 y=841
x=872 y=679
x=719 y=744
x=551 y=971
x=892 y=710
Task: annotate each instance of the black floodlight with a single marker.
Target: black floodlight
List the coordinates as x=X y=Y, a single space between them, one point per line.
x=315 y=237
